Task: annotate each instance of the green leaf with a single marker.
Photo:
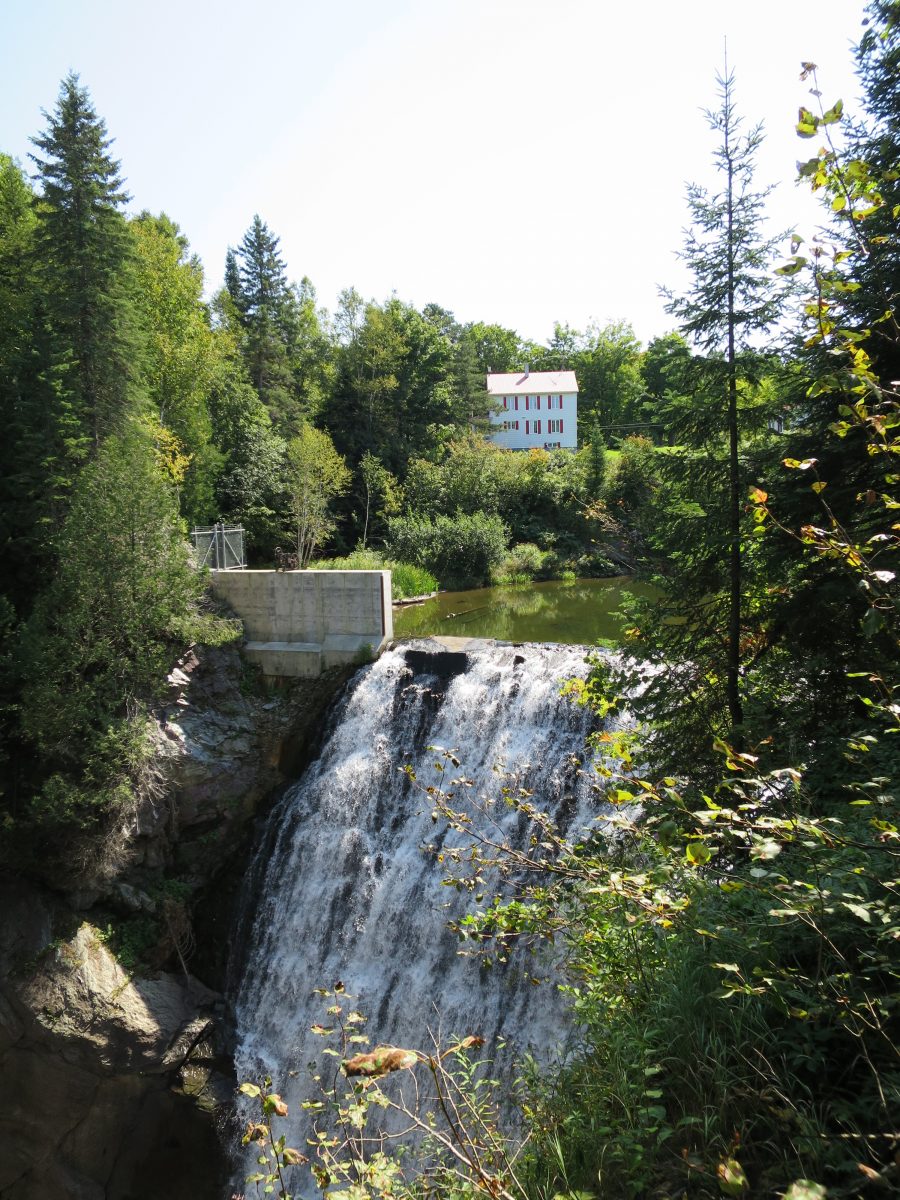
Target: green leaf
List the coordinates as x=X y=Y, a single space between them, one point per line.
x=834 y=113
x=807 y=123
x=858 y=910
x=698 y=853
x=249 y=1089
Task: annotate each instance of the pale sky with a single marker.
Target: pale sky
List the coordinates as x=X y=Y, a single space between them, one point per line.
x=516 y=161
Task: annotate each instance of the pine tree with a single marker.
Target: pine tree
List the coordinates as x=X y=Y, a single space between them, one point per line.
x=256 y=280
x=84 y=252
x=730 y=301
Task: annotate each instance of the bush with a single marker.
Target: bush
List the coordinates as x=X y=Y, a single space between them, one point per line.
x=632 y=482
x=522 y=564
x=406 y=579
x=461 y=550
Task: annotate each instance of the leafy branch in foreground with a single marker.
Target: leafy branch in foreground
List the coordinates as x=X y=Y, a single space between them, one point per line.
x=731 y=957
x=389 y=1121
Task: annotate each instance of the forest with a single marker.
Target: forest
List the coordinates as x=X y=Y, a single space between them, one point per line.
x=732 y=960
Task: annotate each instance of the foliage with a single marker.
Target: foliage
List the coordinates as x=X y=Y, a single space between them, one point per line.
x=182 y=355
x=633 y=481
x=381 y=491
x=521 y=564
x=85 y=253
x=406 y=580
x=103 y=634
x=460 y=551
x=316 y=475
x=365 y=1108
x=730 y=960
x=536 y=493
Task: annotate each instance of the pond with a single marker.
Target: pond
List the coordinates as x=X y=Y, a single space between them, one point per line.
x=580 y=612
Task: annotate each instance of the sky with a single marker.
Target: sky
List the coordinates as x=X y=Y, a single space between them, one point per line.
x=515 y=161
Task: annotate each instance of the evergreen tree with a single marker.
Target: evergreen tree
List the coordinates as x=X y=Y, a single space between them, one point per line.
x=23 y=447
x=104 y=633
x=257 y=282
x=729 y=303
x=875 y=145
x=84 y=252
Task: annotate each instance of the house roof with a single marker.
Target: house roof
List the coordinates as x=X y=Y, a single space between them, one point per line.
x=520 y=383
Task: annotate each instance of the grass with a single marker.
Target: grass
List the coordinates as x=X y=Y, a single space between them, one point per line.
x=407 y=580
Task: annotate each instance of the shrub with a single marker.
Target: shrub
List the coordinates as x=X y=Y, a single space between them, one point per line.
x=406 y=579
x=459 y=550
x=633 y=480
x=520 y=565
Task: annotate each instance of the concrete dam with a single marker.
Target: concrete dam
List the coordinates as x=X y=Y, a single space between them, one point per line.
x=299 y=623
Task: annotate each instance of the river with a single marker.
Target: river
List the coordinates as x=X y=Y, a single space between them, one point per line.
x=580 y=612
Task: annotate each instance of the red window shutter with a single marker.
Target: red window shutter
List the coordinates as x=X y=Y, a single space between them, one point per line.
x=526 y=426
x=517 y=403
x=560 y=426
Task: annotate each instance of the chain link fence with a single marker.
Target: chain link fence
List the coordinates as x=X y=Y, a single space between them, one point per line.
x=220 y=547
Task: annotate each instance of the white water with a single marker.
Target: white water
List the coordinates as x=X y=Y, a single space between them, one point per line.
x=348 y=892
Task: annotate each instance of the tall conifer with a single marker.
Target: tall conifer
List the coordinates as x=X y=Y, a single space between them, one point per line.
x=84 y=250
x=730 y=300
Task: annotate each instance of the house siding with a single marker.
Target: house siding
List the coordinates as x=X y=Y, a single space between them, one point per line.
x=535 y=417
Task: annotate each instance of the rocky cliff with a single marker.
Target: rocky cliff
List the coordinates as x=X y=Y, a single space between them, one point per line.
x=114 y=1053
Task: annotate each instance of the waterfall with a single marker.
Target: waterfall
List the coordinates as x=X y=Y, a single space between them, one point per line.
x=346 y=891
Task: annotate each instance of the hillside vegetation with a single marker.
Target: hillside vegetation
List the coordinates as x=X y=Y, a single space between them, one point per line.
x=732 y=961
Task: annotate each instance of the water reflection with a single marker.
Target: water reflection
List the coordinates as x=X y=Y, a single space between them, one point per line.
x=580 y=612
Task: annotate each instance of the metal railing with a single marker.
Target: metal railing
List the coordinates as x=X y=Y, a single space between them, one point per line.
x=220 y=547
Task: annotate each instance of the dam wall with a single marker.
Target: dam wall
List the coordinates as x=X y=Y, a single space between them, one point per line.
x=299 y=623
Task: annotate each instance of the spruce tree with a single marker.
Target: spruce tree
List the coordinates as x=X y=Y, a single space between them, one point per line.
x=730 y=301
x=84 y=251
x=256 y=280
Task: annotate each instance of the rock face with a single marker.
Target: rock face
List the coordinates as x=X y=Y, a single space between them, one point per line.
x=224 y=742
x=112 y=1081
x=98 y=1068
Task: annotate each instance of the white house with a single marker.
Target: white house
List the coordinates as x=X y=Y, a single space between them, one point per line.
x=536 y=410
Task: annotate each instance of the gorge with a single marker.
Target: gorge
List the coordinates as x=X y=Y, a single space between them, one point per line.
x=138 y=1063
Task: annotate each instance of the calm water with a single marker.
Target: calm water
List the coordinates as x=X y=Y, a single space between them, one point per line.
x=579 y=613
